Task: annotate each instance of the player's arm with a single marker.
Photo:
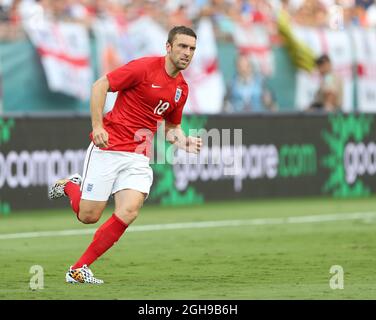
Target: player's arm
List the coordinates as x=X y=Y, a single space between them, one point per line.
x=97 y=101
x=176 y=136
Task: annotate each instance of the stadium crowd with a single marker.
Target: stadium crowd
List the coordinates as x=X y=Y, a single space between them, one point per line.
x=173 y=12
x=225 y=15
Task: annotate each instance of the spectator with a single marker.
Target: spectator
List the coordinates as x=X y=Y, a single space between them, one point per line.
x=10 y=21
x=4 y=10
x=328 y=97
x=364 y=3
x=247 y=92
x=311 y=13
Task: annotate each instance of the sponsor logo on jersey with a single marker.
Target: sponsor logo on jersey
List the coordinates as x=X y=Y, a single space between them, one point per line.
x=89 y=187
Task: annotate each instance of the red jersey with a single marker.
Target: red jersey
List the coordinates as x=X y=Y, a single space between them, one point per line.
x=146 y=96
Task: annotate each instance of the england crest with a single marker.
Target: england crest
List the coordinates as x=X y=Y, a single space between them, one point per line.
x=178 y=94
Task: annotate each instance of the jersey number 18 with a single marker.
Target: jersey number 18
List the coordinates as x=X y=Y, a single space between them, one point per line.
x=161 y=107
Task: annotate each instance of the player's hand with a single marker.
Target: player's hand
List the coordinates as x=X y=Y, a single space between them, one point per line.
x=194 y=144
x=100 y=137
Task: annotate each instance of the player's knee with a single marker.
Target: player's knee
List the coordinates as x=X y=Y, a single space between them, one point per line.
x=89 y=216
x=88 y=219
x=128 y=215
x=131 y=214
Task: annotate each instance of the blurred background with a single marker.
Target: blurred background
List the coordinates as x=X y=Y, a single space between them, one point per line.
x=253 y=56
x=297 y=77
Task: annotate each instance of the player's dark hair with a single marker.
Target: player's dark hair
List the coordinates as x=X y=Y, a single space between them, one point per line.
x=322 y=59
x=180 y=30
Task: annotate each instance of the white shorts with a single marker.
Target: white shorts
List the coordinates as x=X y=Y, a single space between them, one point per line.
x=107 y=172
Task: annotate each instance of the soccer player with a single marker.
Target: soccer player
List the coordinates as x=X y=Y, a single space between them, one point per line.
x=150 y=90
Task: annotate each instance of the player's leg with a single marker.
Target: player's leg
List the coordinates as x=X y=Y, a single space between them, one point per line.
x=128 y=203
x=88 y=195
x=130 y=190
x=87 y=211
x=90 y=211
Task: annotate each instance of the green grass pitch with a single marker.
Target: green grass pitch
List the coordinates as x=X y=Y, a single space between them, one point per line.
x=243 y=261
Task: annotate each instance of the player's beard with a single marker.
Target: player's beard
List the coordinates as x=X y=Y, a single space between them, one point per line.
x=179 y=64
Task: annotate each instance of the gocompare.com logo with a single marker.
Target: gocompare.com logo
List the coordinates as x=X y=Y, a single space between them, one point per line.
x=351 y=155
x=228 y=158
x=255 y=161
